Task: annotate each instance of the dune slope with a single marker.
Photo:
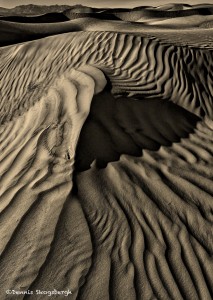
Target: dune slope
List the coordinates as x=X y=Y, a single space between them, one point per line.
x=106 y=155
x=37 y=157
x=134 y=65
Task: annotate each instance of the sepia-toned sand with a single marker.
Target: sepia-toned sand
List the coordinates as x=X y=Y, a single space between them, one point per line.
x=106 y=154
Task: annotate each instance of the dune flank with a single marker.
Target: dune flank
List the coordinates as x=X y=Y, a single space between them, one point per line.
x=134 y=65
x=106 y=153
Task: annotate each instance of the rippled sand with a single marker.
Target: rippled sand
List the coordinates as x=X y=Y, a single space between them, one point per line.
x=106 y=153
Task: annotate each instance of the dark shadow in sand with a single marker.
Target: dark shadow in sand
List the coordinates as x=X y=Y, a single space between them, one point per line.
x=127 y=126
x=12 y=33
x=45 y=18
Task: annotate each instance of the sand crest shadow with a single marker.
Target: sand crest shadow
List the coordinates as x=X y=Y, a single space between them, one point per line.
x=127 y=126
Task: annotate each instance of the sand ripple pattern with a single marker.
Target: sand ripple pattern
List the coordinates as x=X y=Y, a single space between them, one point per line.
x=150 y=220
x=141 y=228
x=36 y=165
x=135 y=65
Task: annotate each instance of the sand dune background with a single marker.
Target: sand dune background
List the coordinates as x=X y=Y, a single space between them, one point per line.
x=106 y=152
x=30 y=22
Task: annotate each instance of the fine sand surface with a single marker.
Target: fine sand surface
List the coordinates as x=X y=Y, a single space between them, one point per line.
x=106 y=153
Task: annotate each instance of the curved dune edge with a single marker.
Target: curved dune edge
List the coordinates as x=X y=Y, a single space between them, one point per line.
x=141 y=228
x=135 y=66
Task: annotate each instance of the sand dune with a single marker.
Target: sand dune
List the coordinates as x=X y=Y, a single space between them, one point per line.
x=160 y=243
x=106 y=155
x=175 y=6
x=37 y=156
x=181 y=22
x=32 y=10
x=135 y=66
x=168 y=12
x=41 y=21
x=99 y=16
x=16 y=32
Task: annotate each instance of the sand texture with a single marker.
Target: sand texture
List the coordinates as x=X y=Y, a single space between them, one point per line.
x=106 y=152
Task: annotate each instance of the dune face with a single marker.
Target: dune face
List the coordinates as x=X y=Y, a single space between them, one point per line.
x=135 y=66
x=106 y=153
x=38 y=173
x=15 y=24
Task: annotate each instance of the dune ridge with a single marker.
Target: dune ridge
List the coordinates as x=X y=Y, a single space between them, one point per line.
x=106 y=160
x=133 y=69
x=17 y=32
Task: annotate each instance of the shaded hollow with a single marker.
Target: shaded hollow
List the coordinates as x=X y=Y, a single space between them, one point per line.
x=127 y=126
